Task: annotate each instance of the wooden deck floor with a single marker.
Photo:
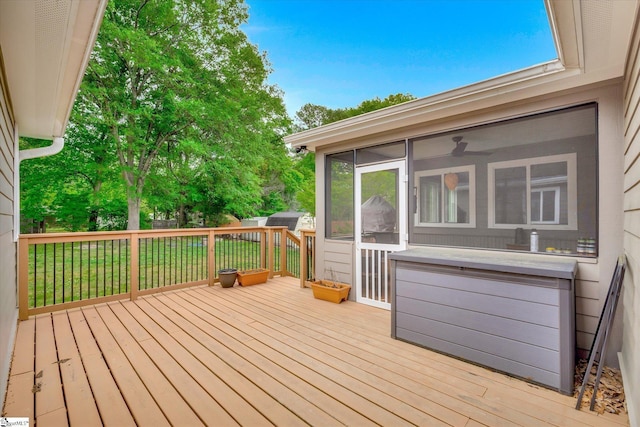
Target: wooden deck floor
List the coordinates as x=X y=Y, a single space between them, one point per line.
x=260 y=355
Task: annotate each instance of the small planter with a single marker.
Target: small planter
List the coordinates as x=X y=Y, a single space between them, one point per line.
x=227 y=277
x=253 y=277
x=330 y=291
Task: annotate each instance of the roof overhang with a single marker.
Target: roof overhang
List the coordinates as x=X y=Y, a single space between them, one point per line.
x=592 y=40
x=45 y=47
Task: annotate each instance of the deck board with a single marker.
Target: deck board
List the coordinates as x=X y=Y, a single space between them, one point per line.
x=81 y=406
x=49 y=395
x=261 y=355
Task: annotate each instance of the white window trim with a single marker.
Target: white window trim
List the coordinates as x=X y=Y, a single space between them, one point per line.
x=556 y=197
x=572 y=191
x=471 y=169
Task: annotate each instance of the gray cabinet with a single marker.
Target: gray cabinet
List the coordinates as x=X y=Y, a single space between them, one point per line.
x=514 y=313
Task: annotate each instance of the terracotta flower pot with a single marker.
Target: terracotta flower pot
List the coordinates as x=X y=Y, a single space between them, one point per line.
x=253 y=277
x=330 y=291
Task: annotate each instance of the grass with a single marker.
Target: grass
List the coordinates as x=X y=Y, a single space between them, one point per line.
x=64 y=272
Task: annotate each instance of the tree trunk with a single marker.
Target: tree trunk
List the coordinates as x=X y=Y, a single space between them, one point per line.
x=93 y=220
x=133 y=209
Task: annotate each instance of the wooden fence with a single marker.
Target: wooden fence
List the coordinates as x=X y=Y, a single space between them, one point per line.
x=66 y=270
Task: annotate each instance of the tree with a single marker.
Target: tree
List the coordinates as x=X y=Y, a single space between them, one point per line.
x=310 y=115
x=69 y=186
x=164 y=73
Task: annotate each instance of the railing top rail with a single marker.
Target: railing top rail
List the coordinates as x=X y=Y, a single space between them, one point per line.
x=114 y=235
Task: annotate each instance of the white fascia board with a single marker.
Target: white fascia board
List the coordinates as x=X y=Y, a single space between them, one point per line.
x=456 y=101
x=46 y=47
x=83 y=38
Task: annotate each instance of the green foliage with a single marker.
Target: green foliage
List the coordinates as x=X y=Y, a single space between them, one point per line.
x=310 y=115
x=175 y=118
x=183 y=95
x=306 y=194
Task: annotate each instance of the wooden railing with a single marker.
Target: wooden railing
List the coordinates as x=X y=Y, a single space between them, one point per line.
x=67 y=270
x=307 y=257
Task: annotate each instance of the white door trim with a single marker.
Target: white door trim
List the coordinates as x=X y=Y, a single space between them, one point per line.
x=371 y=256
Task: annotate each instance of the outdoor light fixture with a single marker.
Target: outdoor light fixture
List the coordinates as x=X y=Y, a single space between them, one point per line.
x=302 y=149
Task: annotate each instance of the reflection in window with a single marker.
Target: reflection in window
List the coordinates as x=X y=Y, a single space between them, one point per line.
x=445 y=197
x=511 y=195
x=534 y=191
x=532 y=172
x=339 y=196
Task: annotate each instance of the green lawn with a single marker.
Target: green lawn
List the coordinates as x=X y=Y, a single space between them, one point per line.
x=64 y=272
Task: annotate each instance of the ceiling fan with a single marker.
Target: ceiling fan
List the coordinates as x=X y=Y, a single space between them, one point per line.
x=460 y=149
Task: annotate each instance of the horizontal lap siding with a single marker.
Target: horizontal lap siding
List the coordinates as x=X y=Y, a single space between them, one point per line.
x=338 y=262
x=500 y=323
x=8 y=312
x=630 y=355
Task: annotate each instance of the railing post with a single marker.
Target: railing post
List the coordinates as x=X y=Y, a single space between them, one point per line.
x=271 y=252
x=303 y=259
x=23 y=278
x=283 y=252
x=211 y=262
x=135 y=258
x=263 y=248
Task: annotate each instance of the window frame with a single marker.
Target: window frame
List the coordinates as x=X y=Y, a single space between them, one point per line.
x=556 y=200
x=329 y=191
x=572 y=192
x=471 y=170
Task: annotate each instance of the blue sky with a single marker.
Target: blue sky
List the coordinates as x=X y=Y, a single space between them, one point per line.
x=338 y=53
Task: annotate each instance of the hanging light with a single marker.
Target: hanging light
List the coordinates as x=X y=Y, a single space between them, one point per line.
x=451 y=181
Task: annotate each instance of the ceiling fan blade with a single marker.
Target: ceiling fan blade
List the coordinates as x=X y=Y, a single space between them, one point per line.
x=478 y=153
x=458 y=151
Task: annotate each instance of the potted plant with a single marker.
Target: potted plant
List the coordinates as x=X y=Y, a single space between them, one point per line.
x=330 y=290
x=227 y=277
x=253 y=277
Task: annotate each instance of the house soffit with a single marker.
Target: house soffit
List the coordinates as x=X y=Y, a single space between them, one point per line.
x=591 y=37
x=45 y=47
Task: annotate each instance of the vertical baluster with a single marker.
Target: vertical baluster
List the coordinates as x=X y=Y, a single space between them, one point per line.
x=140 y=241
x=365 y=274
x=379 y=275
x=189 y=273
x=126 y=264
x=157 y=265
x=81 y=251
x=119 y=265
x=64 y=257
x=155 y=269
x=73 y=276
x=88 y=269
x=55 y=261
x=112 y=272
x=44 y=300
x=170 y=260
x=104 y=267
x=35 y=275
x=153 y=264
x=387 y=285
x=96 y=263
x=181 y=252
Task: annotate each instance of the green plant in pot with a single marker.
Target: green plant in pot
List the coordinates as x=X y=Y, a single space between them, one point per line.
x=227 y=277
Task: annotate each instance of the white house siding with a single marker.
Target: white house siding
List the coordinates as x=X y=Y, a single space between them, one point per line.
x=8 y=303
x=630 y=355
x=594 y=275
